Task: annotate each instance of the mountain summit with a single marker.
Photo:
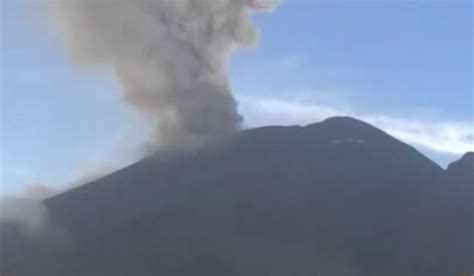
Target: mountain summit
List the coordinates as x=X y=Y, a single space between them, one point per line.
x=339 y=196
x=463 y=167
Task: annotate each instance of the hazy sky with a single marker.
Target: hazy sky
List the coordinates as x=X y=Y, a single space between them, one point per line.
x=405 y=66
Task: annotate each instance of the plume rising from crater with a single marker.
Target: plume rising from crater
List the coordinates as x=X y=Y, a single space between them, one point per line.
x=170 y=57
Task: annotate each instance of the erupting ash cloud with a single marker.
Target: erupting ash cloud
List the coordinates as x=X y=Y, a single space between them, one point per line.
x=170 y=57
x=27 y=209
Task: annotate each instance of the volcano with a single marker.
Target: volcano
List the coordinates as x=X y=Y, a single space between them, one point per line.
x=339 y=196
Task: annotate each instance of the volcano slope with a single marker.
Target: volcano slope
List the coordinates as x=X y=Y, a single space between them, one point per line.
x=339 y=196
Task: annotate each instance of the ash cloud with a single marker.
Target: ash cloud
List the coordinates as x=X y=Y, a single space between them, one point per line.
x=27 y=210
x=170 y=57
x=30 y=214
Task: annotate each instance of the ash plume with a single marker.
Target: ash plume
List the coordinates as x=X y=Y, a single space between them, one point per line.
x=170 y=57
x=26 y=209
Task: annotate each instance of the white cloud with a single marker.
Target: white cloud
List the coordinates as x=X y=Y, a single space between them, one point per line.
x=293 y=90
x=431 y=133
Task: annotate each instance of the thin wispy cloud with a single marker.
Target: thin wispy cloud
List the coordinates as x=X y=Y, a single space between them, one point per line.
x=294 y=90
x=441 y=136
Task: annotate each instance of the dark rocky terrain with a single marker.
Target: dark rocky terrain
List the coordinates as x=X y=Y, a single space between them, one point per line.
x=340 y=196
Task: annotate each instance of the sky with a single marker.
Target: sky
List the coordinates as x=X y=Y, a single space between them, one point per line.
x=404 y=66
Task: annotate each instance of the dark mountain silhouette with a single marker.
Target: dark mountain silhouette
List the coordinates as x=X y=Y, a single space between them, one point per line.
x=463 y=169
x=340 y=196
x=456 y=215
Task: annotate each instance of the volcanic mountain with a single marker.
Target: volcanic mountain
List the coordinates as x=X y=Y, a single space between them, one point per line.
x=340 y=196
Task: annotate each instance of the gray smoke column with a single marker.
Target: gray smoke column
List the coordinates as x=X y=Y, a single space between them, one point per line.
x=170 y=57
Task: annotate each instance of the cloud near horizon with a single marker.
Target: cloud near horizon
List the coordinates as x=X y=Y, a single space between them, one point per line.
x=293 y=90
x=453 y=137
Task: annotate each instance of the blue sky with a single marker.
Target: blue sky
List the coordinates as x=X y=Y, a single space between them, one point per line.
x=405 y=66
